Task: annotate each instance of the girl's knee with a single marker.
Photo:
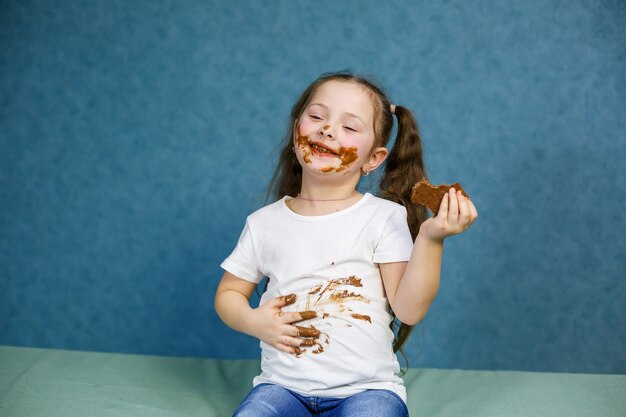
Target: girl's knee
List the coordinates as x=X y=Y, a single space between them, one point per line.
x=375 y=403
x=268 y=400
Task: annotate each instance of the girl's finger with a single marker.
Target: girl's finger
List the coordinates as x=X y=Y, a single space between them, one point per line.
x=297 y=316
x=284 y=300
x=291 y=341
x=305 y=315
x=300 y=332
x=289 y=349
x=308 y=342
x=473 y=211
x=464 y=211
x=443 y=207
x=307 y=332
x=453 y=212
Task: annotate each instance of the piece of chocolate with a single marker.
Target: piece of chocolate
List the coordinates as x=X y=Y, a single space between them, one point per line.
x=429 y=195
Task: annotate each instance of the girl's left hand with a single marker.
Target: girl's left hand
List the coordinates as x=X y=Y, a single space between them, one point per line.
x=456 y=214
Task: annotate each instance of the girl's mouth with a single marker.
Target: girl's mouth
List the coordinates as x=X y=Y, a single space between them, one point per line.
x=322 y=150
x=347 y=156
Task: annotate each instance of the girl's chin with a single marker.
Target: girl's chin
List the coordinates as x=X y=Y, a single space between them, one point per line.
x=322 y=168
x=334 y=170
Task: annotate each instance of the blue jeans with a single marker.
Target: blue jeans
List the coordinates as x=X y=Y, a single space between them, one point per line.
x=268 y=400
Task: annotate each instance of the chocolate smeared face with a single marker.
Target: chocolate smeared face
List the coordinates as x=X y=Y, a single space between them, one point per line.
x=335 y=132
x=337 y=159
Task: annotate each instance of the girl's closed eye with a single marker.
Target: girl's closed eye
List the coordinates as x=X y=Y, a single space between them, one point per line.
x=350 y=128
x=315 y=117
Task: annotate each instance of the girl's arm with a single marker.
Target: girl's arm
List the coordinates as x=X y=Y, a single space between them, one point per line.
x=267 y=322
x=412 y=286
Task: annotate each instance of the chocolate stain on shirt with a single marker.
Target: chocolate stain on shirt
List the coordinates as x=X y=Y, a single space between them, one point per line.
x=315 y=290
x=362 y=317
x=332 y=293
x=344 y=295
x=335 y=296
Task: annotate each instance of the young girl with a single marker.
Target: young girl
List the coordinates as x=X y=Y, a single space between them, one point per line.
x=340 y=263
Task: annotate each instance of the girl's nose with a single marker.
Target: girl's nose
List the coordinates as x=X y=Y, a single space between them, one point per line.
x=327 y=131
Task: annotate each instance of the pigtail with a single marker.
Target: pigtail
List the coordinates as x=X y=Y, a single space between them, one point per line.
x=405 y=167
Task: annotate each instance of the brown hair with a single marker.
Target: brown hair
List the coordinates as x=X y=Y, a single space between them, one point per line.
x=403 y=168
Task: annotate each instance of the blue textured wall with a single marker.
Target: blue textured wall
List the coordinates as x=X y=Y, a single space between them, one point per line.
x=136 y=136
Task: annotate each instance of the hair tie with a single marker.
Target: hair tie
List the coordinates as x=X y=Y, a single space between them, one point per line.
x=392 y=107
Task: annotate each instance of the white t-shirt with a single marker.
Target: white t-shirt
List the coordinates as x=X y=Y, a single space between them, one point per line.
x=330 y=263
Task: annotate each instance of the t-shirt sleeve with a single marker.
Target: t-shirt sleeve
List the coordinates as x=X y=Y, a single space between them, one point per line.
x=396 y=243
x=242 y=262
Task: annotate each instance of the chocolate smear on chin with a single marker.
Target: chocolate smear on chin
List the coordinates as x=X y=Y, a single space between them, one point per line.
x=348 y=156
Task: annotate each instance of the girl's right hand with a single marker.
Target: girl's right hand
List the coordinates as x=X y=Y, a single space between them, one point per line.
x=269 y=324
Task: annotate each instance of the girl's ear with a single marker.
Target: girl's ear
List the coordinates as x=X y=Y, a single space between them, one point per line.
x=377 y=157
